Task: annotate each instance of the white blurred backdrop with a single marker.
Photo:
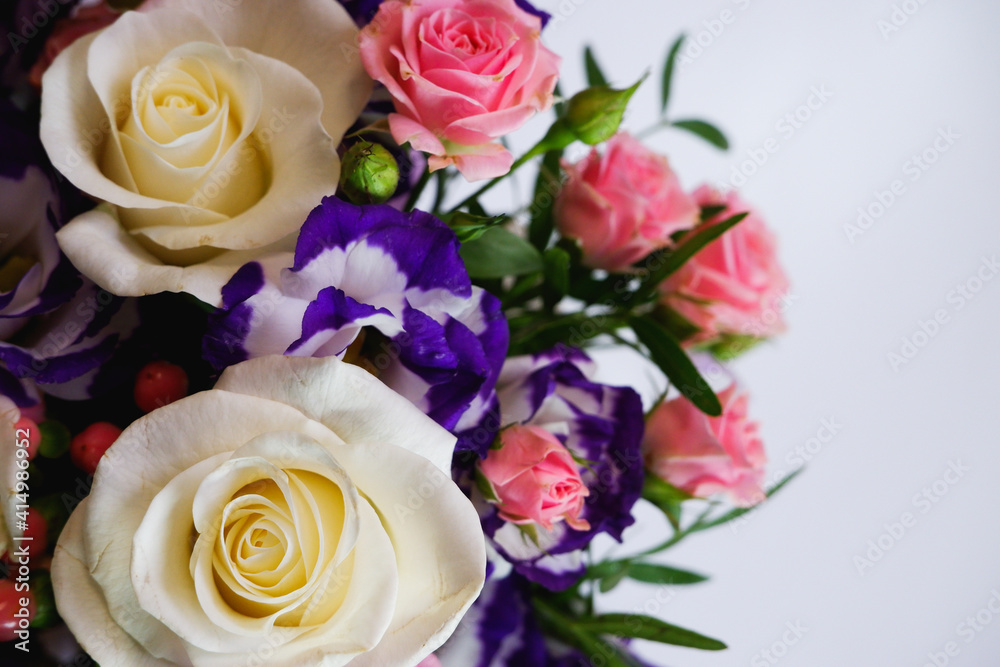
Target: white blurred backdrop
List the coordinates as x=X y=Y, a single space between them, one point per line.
x=877 y=555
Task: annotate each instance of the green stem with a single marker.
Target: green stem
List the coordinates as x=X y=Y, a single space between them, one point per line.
x=417 y=190
x=442 y=180
x=653 y=129
x=677 y=537
x=535 y=151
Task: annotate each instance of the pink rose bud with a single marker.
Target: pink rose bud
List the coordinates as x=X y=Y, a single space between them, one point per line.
x=535 y=479
x=622 y=205
x=735 y=285
x=704 y=455
x=86 y=18
x=430 y=661
x=462 y=73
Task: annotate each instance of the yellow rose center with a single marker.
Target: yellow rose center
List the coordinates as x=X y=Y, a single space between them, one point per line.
x=187 y=137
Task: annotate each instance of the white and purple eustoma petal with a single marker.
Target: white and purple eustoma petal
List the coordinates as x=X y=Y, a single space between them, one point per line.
x=379 y=287
x=56 y=329
x=499 y=630
x=602 y=427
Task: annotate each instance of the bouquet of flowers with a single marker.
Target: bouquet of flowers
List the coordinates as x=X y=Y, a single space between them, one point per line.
x=280 y=385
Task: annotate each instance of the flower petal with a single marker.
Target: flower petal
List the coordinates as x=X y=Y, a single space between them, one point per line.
x=318 y=38
x=101 y=249
x=82 y=605
x=430 y=521
x=346 y=398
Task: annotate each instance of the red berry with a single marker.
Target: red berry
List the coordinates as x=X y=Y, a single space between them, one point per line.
x=10 y=606
x=87 y=448
x=159 y=383
x=37 y=529
x=27 y=429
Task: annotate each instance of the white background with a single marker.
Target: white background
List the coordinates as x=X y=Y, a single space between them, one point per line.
x=795 y=561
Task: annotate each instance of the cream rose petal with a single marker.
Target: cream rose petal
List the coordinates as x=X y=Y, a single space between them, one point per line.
x=429 y=520
x=82 y=605
x=144 y=459
x=78 y=120
x=173 y=170
x=330 y=59
x=347 y=399
x=147 y=487
x=101 y=249
x=313 y=87
x=305 y=167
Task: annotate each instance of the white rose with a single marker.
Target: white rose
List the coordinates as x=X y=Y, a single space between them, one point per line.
x=300 y=513
x=210 y=128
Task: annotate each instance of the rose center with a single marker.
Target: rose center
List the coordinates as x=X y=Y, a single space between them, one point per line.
x=278 y=536
x=182 y=103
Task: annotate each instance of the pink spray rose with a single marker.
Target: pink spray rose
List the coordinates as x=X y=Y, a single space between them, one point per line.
x=735 y=285
x=705 y=455
x=87 y=17
x=462 y=73
x=622 y=205
x=535 y=479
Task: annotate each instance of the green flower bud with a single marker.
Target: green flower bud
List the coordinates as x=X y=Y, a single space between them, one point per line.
x=595 y=114
x=369 y=174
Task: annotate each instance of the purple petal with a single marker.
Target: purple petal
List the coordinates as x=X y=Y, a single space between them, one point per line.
x=498 y=631
x=442 y=341
x=423 y=248
x=598 y=423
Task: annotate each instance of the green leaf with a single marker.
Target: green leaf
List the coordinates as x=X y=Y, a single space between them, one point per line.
x=646 y=627
x=671 y=260
x=667 y=353
x=557 y=270
x=568 y=630
x=595 y=77
x=651 y=573
x=469 y=227
x=709 y=212
x=498 y=253
x=740 y=511
x=612 y=580
x=648 y=573
x=560 y=106
x=655 y=490
x=666 y=497
x=668 y=73
x=706 y=131
x=730 y=346
x=546 y=188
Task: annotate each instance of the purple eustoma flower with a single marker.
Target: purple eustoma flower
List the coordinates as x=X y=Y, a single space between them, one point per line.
x=499 y=630
x=56 y=330
x=378 y=287
x=602 y=427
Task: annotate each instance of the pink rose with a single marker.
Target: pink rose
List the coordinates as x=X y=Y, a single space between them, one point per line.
x=704 y=455
x=622 y=205
x=735 y=284
x=430 y=661
x=86 y=18
x=462 y=73
x=535 y=479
